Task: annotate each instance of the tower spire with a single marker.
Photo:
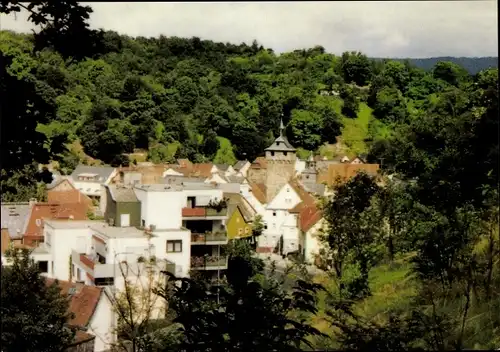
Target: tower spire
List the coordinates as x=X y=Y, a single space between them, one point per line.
x=282 y=127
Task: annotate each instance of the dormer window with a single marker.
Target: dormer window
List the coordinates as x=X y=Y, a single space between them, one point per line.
x=278 y=143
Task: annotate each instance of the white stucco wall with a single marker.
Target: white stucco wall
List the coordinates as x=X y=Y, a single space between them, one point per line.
x=312 y=243
x=102 y=324
x=61 y=244
x=280 y=222
x=162 y=209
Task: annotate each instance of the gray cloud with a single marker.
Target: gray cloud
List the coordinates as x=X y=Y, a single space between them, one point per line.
x=379 y=29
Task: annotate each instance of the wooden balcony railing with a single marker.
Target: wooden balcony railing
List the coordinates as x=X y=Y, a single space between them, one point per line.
x=203 y=211
x=208 y=237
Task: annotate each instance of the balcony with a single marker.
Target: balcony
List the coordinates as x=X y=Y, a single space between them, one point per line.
x=217 y=238
x=99 y=271
x=209 y=263
x=204 y=213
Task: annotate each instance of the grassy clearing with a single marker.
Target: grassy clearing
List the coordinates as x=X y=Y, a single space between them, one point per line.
x=352 y=141
x=392 y=286
x=355 y=131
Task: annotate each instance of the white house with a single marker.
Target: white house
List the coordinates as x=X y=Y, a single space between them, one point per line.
x=90 y=179
x=310 y=241
x=94 y=314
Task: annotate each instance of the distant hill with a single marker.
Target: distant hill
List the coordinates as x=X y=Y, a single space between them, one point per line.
x=472 y=64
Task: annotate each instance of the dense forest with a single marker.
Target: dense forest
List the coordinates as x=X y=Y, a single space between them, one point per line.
x=202 y=100
x=412 y=264
x=473 y=65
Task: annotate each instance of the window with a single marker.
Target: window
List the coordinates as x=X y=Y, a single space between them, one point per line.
x=104 y=281
x=247 y=230
x=72 y=269
x=78 y=274
x=143 y=222
x=307 y=176
x=274 y=225
x=191 y=202
x=284 y=153
x=272 y=153
x=240 y=231
x=288 y=189
x=274 y=213
x=43 y=266
x=174 y=246
x=38 y=222
x=265 y=227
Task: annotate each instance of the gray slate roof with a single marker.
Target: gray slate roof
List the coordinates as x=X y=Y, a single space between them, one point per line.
x=122 y=194
x=281 y=144
x=222 y=167
x=103 y=172
x=239 y=164
x=316 y=188
x=15 y=217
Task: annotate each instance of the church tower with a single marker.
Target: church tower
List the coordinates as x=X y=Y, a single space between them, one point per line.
x=310 y=174
x=281 y=158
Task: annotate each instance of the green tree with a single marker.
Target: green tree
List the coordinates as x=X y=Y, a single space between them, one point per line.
x=390 y=105
x=350 y=107
x=449 y=72
x=306 y=129
x=34 y=314
x=210 y=145
x=351 y=235
x=356 y=68
x=221 y=318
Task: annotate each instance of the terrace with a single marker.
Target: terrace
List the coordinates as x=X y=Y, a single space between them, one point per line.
x=208 y=238
x=209 y=262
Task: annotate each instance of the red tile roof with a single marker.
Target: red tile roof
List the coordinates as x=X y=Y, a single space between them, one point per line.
x=259 y=191
x=305 y=196
x=309 y=216
x=41 y=211
x=68 y=196
x=83 y=303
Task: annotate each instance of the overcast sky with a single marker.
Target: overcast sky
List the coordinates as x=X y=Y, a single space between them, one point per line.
x=380 y=29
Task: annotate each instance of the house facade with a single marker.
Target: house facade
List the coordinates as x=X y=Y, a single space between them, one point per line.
x=183 y=228
x=90 y=179
x=94 y=317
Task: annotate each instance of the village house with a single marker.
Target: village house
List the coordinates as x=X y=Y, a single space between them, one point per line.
x=94 y=317
x=33 y=234
x=344 y=172
x=22 y=223
x=240 y=217
x=90 y=179
x=14 y=220
x=63 y=191
x=181 y=227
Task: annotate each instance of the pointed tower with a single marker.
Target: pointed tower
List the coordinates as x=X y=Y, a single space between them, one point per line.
x=281 y=158
x=309 y=175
